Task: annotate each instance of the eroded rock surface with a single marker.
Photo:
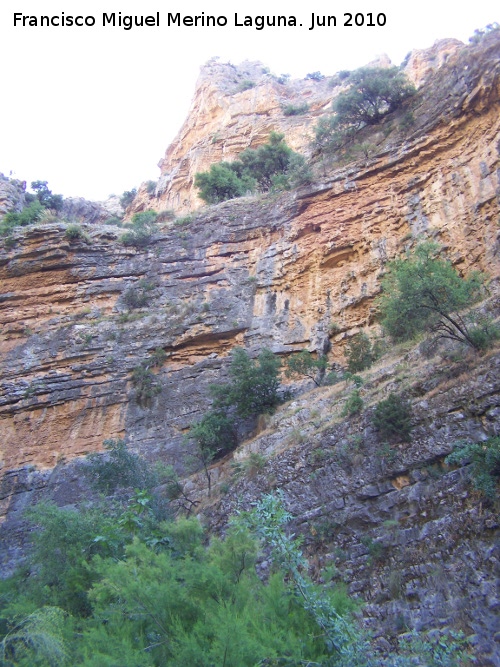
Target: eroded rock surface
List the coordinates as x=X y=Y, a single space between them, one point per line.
x=78 y=316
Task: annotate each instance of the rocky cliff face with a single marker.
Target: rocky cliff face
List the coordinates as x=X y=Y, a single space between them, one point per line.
x=11 y=194
x=265 y=270
x=236 y=107
x=78 y=316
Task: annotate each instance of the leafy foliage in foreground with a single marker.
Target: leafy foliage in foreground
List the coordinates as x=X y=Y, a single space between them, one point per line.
x=156 y=595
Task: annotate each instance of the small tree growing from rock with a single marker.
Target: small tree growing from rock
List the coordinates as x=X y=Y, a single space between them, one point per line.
x=423 y=292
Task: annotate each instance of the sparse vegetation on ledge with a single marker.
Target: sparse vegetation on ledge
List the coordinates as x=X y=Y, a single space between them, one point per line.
x=273 y=165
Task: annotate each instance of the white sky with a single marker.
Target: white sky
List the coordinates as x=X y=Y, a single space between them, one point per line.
x=92 y=110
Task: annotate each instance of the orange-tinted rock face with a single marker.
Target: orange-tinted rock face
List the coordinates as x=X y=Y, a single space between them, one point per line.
x=272 y=271
x=226 y=117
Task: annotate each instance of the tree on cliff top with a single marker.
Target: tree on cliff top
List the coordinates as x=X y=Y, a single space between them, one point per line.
x=373 y=93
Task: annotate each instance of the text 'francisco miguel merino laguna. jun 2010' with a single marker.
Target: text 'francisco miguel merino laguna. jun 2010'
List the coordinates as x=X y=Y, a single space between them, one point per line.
x=177 y=20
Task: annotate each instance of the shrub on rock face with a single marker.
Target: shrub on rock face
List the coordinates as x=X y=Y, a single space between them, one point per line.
x=128 y=197
x=484 y=459
x=273 y=165
x=254 y=384
x=424 y=292
x=392 y=418
x=45 y=196
x=221 y=182
x=305 y=364
x=360 y=353
x=353 y=405
x=142 y=229
x=373 y=93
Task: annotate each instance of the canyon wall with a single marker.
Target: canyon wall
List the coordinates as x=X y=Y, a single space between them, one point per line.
x=267 y=270
x=286 y=271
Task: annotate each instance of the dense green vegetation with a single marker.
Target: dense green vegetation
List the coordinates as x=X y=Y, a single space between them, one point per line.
x=36 y=207
x=108 y=588
x=128 y=197
x=373 y=93
x=392 y=418
x=484 y=459
x=360 y=353
x=425 y=293
x=142 y=229
x=273 y=165
x=305 y=365
x=252 y=390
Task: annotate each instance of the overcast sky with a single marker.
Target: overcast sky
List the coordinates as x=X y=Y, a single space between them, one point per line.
x=92 y=109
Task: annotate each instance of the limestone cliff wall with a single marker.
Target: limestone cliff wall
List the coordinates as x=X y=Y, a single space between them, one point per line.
x=277 y=271
x=264 y=270
x=236 y=107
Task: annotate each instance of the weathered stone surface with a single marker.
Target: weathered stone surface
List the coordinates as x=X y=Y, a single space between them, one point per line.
x=259 y=271
x=11 y=194
x=405 y=533
x=77 y=209
x=277 y=271
x=225 y=118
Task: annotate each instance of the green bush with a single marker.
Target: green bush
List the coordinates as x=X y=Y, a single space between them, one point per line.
x=215 y=434
x=36 y=206
x=45 y=196
x=103 y=588
x=146 y=383
x=143 y=227
x=295 y=109
x=138 y=296
x=265 y=163
x=221 y=183
x=392 y=418
x=359 y=353
x=75 y=233
x=254 y=384
x=28 y=216
x=483 y=332
x=484 y=458
x=115 y=220
x=353 y=405
x=423 y=292
x=305 y=364
x=119 y=468
x=330 y=136
x=315 y=76
x=128 y=197
x=62 y=546
x=246 y=84
x=373 y=93
x=273 y=165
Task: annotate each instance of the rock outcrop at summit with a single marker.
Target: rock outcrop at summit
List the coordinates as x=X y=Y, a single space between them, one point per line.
x=237 y=106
